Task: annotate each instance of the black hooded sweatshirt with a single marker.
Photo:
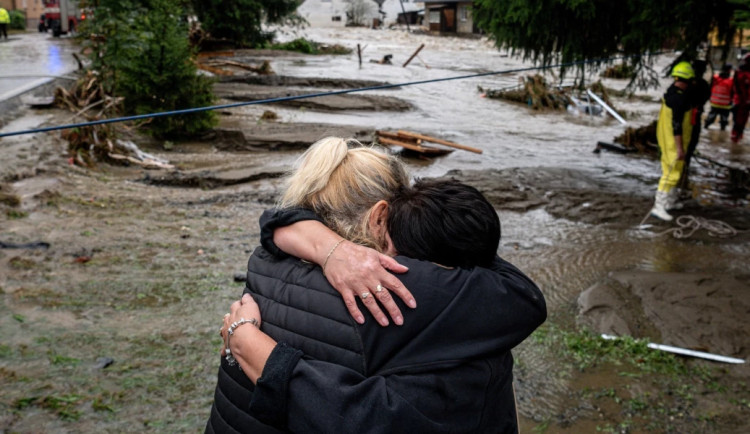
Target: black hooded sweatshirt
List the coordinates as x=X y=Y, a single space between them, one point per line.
x=448 y=369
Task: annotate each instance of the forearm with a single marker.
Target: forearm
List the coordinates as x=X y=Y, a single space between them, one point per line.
x=309 y=240
x=251 y=348
x=275 y=218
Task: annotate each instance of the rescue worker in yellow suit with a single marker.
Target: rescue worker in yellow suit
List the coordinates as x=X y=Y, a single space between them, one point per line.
x=4 y=22
x=673 y=132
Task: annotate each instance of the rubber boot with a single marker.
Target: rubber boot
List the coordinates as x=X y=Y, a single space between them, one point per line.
x=672 y=201
x=659 y=210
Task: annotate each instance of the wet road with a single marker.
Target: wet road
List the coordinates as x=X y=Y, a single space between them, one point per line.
x=30 y=59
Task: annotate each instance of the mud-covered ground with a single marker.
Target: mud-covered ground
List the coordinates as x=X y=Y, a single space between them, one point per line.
x=111 y=325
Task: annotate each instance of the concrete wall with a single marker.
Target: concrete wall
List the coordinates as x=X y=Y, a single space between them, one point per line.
x=464 y=20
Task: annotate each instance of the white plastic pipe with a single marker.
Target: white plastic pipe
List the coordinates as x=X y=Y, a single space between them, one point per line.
x=685 y=352
x=606 y=107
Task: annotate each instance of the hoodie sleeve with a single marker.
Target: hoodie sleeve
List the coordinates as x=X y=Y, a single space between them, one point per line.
x=277 y=218
x=523 y=307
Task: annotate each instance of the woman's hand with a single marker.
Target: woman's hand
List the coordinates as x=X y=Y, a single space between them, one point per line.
x=248 y=345
x=244 y=308
x=355 y=270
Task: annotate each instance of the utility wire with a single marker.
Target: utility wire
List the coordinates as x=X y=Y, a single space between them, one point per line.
x=307 y=96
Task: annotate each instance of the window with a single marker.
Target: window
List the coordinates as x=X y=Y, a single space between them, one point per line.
x=463 y=13
x=434 y=16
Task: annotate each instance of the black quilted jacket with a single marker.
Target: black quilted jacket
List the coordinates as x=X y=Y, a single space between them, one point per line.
x=447 y=369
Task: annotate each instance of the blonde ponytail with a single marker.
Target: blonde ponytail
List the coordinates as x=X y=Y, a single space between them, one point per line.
x=340 y=180
x=313 y=170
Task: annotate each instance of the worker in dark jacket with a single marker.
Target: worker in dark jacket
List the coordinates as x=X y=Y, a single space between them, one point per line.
x=673 y=132
x=447 y=369
x=699 y=93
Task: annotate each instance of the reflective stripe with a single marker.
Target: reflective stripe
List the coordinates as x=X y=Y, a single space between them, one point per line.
x=721 y=92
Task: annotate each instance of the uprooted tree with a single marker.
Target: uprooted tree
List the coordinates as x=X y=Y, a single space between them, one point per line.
x=566 y=31
x=141 y=63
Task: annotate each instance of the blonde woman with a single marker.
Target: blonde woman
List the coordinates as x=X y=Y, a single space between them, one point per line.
x=307 y=366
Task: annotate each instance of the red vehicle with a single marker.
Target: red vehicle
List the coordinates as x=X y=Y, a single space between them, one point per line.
x=60 y=16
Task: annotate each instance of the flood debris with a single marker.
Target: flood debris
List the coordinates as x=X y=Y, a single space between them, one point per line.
x=409 y=143
x=415 y=142
x=684 y=351
x=641 y=139
x=39 y=102
x=534 y=91
x=612 y=147
x=386 y=60
x=290 y=81
x=103 y=362
x=208 y=180
x=621 y=71
x=606 y=106
x=32 y=245
x=413 y=55
x=127 y=151
x=221 y=67
x=87 y=145
x=269 y=115
x=8 y=197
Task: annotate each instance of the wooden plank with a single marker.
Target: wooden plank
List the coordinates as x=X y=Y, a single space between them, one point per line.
x=412 y=147
x=413 y=55
x=438 y=141
x=395 y=136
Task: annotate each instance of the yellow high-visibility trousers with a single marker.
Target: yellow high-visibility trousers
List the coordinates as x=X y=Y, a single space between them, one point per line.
x=671 y=167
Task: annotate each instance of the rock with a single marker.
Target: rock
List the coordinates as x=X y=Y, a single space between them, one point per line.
x=103 y=362
x=240 y=277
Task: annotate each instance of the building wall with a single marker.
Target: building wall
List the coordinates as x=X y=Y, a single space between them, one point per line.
x=464 y=21
x=32 y=8
x=449 y=17
x=324 y=13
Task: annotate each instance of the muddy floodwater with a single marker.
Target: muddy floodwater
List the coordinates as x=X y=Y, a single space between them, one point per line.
x=113 y=326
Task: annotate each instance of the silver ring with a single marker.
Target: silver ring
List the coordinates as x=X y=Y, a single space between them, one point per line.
x=364 y=295
x=379 y=288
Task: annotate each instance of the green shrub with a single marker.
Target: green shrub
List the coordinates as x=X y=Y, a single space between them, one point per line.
x=17 y=20
x=141 y=52
x=241 y=20
x=301 y=45
x=307 y=46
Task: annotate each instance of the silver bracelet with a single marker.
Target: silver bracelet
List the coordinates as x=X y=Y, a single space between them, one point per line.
x=230 y=331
